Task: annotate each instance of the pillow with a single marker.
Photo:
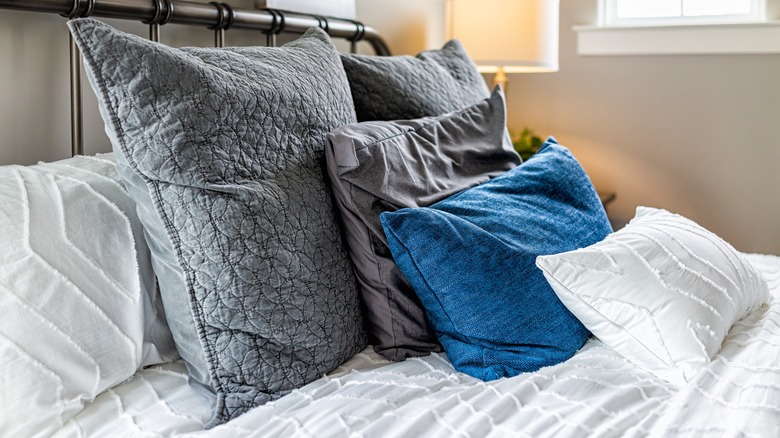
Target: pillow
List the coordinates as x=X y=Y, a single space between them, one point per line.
x=470 y=259
x=223 y=150
x=79 y=304
x=662 y=291
x=384 y=166
x=433 y=83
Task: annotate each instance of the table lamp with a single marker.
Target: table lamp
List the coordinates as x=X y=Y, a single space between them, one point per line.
x=507 y=36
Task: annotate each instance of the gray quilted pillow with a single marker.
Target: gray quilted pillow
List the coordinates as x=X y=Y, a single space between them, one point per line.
x=432 y=83
x=385 y=166
x=222 y=149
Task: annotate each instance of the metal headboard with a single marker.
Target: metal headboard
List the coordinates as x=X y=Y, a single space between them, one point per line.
x=216 y=16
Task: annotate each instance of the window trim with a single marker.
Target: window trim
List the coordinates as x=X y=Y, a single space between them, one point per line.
x=707 y=39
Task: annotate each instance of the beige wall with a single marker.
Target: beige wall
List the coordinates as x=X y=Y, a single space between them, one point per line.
x=409 y=26
x=698 y=135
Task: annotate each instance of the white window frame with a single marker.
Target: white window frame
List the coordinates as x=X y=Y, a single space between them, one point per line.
x=757 y=34
x=608 y=16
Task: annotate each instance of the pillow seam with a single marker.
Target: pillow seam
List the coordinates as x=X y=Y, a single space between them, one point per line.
x=385 y=289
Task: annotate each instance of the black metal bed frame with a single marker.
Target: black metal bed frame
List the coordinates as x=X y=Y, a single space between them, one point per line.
x=216 y=16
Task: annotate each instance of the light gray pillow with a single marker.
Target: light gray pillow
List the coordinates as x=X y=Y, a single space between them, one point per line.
x=385 y=166
x=432 y=83
x=222 y=150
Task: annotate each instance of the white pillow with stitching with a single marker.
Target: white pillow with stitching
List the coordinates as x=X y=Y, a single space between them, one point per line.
x=78 y=298
x=663 y=291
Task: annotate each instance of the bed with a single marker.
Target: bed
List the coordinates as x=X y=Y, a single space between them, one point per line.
x=293 y=241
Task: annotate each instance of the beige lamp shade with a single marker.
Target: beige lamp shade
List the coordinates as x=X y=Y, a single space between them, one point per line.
x=518 y=35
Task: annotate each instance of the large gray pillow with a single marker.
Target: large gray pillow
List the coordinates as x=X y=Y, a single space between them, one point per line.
x=385 y=166
x=222 y=150
x=432 y=83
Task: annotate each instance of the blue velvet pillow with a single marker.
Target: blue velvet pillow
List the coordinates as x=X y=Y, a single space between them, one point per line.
x=471 y=260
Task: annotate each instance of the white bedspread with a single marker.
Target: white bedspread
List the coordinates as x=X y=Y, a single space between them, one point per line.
x=596 y=393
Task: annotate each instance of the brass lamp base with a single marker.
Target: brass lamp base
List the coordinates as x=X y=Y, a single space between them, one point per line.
x=500 y=79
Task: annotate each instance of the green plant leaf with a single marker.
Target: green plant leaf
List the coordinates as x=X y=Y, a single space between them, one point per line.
x=527 y=143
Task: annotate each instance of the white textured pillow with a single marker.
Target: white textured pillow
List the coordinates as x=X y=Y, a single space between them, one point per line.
x=77 y=293
x=663 y=291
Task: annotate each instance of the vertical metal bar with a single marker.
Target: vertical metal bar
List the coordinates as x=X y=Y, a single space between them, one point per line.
x=154 y=23
x=219 y=38
x=154 y=32
x=277 y=26
x=360 y=32
x=76 y=115
x=225 y=13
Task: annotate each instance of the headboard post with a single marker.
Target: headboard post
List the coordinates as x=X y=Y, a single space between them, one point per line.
x=76 y=113
x=226 y=19
x=154 y=23
x=277 y=26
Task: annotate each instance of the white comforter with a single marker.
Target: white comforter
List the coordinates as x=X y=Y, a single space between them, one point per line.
x=596 y=393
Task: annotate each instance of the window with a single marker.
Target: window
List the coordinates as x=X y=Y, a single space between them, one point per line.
x=682 y=27
x=654 y=12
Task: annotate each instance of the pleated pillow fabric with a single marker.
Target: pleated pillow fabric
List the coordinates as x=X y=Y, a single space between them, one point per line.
x=384 y=166
x=79 y=308
x=663 y=291
x=470 y=258
x=223 y=151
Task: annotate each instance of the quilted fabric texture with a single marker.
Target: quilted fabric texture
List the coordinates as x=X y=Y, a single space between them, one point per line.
x=384 y=166
x=662 y=291
x=78 y=299
x=223 y=150
x=432 y=83
x=470 y=258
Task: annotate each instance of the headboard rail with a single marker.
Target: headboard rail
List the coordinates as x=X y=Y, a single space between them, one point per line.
x=207 y=15
x=217 y=16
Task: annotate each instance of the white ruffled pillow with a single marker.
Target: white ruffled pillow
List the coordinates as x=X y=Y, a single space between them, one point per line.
x=78 y=297
x=663 y=291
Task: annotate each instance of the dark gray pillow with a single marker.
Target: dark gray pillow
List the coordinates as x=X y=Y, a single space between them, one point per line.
x=222 y=150
x=432 y=83
x=384 y=166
